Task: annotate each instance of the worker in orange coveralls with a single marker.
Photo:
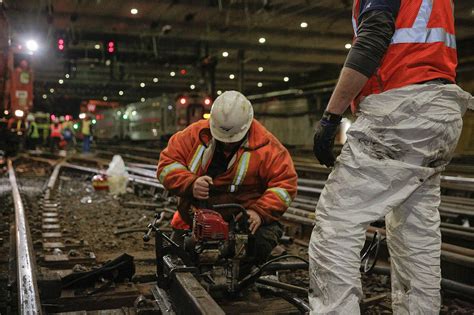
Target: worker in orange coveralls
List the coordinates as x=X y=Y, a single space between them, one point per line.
x=231 y=158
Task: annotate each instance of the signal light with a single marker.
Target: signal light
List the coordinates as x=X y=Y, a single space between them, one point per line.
x=61 y=43
x=111 y=47
x=183 y=71
x=207 y=101
x=182 y=101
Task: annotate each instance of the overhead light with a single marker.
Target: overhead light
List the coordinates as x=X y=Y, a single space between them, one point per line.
x=142 y=84
x=304 y=25
x=45 y=96
x=207 y=101
x=134 y=11
x=182 y=100
x=119 y=113
x=142 y=99
x=155 y=80
x=134 y=113
x=97 y=46
x=51 y=90
x=286 y=79
x=192 y=86
x=82 y=115
x=125 y=116
x=259 y=84
x=231 y=76
x=60 y=81
x=219 y=92
x=225 y=54
x=262 y=40
x=172 y=74
x=104 y=98
x=66 y=75
x=107 y=62
x=6 y=112
x=260 y=69
x=348 y=46
x=120 y=92
x=31 y=45
x=94 y=121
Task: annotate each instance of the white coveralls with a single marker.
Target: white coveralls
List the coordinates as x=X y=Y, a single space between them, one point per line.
x=390 y=166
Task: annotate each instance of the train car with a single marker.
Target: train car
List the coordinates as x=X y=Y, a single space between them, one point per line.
x=109 y=125
x=16 y=75
x=153 y=119
x=292 y=120
x=191 y=108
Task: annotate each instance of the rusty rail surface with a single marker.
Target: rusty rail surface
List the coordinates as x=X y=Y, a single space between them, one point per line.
x=28 y=294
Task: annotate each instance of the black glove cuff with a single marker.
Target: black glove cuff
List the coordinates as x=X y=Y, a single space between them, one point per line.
x=331 y=118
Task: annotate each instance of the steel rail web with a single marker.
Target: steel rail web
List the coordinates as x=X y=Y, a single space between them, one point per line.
x=28 y=294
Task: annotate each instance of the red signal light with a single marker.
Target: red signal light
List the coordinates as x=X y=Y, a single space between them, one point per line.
x=111 y=47
x=182 y=101
x=61 y=44
x=207 y=101
x=183 y=71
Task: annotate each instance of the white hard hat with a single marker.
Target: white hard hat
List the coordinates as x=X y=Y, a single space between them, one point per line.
x=231 y=117
x=30 y=117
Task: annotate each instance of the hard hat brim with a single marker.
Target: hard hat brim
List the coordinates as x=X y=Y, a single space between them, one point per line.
x=222 y=137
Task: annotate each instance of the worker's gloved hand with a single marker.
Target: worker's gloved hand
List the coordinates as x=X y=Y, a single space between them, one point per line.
x=324 y=136
x=201 y=187
x=254 y=220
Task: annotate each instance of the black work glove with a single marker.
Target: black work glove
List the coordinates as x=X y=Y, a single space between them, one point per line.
x=324 y=136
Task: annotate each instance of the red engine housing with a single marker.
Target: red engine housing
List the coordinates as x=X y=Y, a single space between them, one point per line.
x=210 y=226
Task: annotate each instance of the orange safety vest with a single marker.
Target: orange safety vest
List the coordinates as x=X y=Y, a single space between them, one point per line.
x=261 y=176
x=55 y=131
x=423 y=46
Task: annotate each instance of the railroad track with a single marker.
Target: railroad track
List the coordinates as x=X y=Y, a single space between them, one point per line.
x=54 y=250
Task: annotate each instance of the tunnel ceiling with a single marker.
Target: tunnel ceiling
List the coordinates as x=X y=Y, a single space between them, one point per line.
x=191 y=35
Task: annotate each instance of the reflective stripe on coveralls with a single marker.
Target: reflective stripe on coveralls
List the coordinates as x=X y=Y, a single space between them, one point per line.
x=241 y=171
x=193 y=165
x=282 y=194
x=390 y=166
x=196 y=160
x=169 y=168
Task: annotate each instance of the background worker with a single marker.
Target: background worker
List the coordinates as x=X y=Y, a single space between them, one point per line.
x=86 y=134
x=33 y=132
x=401 y=70
x=54 y=135
x=231 y=158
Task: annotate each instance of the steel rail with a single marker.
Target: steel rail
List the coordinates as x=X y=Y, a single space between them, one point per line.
x=28 y=293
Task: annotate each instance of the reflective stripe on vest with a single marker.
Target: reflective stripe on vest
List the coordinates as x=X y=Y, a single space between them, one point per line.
x=419 y=33
x=196 y=160
x=241 y=171
x=282 y=194
x=169 y=168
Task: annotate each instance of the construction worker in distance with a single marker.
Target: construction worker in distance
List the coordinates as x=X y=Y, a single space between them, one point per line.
x=33 y=132
x=400 y=77
x=86 y=134
x=55 y=135
x=230 y=158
